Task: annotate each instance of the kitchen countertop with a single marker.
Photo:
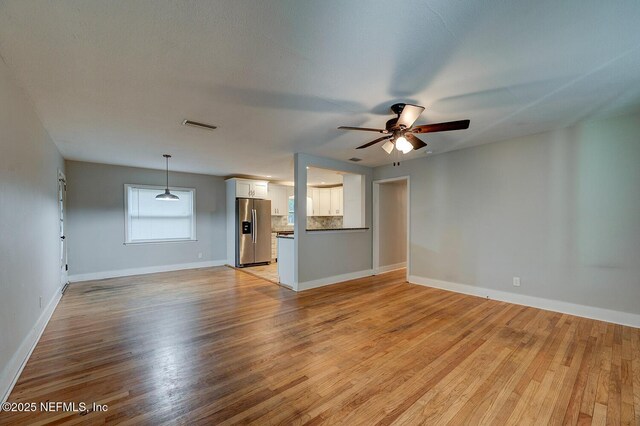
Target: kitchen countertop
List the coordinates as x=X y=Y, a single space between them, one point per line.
x=337 y=229
x=289 y=234
x=283 y=232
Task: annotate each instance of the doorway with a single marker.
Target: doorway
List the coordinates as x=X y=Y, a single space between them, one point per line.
x=62 y=199
x=391 y=225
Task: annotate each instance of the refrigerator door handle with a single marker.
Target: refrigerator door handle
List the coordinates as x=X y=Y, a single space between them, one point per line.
x=254 y=225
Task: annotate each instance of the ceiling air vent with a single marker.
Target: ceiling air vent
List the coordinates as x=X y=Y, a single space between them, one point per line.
x=355 y=159
x=200 y=125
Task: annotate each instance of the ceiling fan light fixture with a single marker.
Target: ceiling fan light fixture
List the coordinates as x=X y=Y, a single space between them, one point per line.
x=403 y=131
x=403 y=145
x=388 y=147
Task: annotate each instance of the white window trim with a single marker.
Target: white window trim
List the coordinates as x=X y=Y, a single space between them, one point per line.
x=161 y=189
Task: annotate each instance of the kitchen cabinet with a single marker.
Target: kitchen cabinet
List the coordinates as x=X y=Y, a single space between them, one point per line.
x=314 y=194
x=336 y=201
x=325 y=203
x=273 y=195
x=279 y=196
x=260 y=189
x=243 y=189
x=251 y=188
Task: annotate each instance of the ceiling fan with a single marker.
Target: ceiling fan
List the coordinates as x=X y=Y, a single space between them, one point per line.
x=399 y=131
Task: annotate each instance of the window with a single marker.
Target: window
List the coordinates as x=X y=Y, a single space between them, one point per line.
x=148 y=220
x=290 y=211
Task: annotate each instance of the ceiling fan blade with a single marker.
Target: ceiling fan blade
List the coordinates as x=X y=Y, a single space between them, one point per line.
x=415 y=141
x=442 y=127
x=409 y=115
x=364 y=129
x=366 y=145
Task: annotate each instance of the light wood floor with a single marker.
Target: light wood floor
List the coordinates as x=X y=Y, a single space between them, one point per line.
x=218 y=346
x=268 y=272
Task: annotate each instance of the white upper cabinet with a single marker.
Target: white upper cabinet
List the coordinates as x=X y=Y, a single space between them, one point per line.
x=326 y=201
x=243 y=189
x=314 y=194
x=251 y=188
x=260 y=189
x=336 y=201
x=279 y=196
x=274 y=195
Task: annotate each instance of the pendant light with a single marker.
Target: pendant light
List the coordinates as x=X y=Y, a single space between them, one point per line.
x=167 y=196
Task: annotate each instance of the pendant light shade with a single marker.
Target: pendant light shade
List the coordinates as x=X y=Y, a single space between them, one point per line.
x=167 y=195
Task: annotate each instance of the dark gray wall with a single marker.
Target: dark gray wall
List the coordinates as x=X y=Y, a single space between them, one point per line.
x=29 y=221
x=560 y=209
x=95 y=207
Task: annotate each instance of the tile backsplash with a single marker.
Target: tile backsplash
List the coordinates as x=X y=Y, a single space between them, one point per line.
x=279 y=223
x=324 y=222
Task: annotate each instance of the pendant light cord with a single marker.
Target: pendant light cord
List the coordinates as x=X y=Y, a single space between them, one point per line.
x=167 y=157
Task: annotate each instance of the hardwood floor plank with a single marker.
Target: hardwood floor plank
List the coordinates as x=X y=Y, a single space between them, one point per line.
x=494 y=391
x=568 y=414
x=220 y=346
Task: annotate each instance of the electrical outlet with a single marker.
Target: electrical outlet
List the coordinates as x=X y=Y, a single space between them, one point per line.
x=516 y=281
x=200 y=255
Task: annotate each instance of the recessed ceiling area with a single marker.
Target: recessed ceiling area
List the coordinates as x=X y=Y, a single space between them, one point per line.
x=113 y=81
x=323 y=177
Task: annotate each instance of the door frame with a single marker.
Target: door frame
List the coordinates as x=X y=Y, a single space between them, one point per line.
x=62 y=229
x=376 y=222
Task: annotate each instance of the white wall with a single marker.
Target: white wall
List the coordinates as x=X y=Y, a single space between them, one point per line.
x=95 y=205
x=392 y=224
x=354 y=207
x=323 y=256
x=29 y=239
x=560 y=209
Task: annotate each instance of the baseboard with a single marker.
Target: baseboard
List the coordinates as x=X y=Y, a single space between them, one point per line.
x=307 y=285
x=389 y=268
x=592 y=312
x=14 y=368
x=146 y=270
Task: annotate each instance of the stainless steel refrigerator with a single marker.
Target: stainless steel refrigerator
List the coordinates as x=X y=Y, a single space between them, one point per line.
x=253 y=231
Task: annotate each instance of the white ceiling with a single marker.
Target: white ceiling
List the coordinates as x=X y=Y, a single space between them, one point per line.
x=113 y=80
